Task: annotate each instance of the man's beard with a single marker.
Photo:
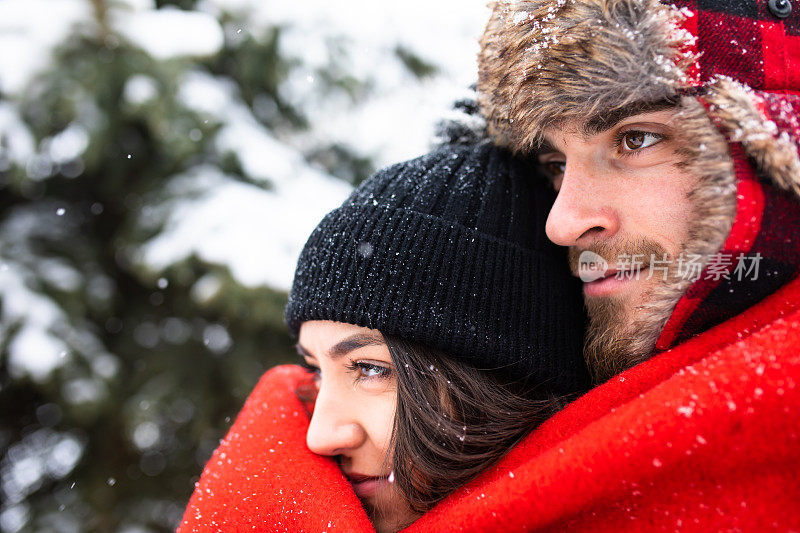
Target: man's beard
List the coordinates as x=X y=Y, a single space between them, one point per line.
x=616 y=339
x=608 y=346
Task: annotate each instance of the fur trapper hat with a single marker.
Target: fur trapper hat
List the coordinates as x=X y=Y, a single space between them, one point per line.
x=733 y=68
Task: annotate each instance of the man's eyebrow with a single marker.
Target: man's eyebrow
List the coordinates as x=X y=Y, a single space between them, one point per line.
x=545 y=147
x=354 y=342
x=600 y=123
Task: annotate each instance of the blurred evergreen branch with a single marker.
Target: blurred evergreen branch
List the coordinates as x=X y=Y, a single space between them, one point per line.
x=154 y=367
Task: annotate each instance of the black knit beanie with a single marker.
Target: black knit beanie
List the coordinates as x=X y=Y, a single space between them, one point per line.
x=449 y=250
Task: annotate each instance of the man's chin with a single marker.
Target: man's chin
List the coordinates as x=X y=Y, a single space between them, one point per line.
x=614 y=337
x=606 y=337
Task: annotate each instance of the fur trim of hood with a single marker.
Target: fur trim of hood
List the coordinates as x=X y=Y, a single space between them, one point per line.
x=543 y=62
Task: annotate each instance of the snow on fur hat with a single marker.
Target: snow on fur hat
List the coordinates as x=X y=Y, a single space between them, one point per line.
x=733 y=69
x=449 y=250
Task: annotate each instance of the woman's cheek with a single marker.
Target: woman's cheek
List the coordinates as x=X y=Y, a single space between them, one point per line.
x=381 y=412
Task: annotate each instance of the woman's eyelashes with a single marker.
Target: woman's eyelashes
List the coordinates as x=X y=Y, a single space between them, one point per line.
x=308 y=366
x=365 y=370
x=361 y=370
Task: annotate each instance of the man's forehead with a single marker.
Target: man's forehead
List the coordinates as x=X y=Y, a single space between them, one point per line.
x=587 y=127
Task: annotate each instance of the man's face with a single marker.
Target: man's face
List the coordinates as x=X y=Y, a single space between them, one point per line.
x=622 y=195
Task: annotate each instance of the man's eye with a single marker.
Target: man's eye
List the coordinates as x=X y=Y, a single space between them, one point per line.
x=554 y=168
x=636 y=140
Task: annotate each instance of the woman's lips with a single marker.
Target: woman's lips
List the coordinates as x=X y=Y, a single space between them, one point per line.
x=366 y=486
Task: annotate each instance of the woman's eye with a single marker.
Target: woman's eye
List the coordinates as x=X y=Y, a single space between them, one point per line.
x=636 y=140
x=311 y=368
x=367 y=370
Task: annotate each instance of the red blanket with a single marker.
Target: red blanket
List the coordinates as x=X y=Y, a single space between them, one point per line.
x=703 y=437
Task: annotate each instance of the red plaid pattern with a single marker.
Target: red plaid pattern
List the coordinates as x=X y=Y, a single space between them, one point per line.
x=743 y=40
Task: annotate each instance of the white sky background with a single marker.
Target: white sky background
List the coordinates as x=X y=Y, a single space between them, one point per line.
x=256 y=233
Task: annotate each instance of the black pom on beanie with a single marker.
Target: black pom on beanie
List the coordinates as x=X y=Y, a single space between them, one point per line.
x=449 y=250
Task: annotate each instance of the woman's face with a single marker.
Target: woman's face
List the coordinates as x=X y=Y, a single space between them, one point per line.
x=354 y=411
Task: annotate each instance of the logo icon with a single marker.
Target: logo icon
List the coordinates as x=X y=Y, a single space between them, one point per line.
x=591 y=266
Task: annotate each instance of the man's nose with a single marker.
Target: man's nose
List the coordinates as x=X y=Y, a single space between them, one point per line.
x=583 y=211
x=333 y=429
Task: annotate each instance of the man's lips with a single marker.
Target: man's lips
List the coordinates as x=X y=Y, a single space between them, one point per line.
x=365 y=486
x=611 y=281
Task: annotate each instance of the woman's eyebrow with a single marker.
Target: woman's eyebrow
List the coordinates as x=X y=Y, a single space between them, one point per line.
x=302 y=351
x=354 y=342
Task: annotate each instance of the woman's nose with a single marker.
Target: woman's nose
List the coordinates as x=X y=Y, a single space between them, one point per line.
x=334 y=429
